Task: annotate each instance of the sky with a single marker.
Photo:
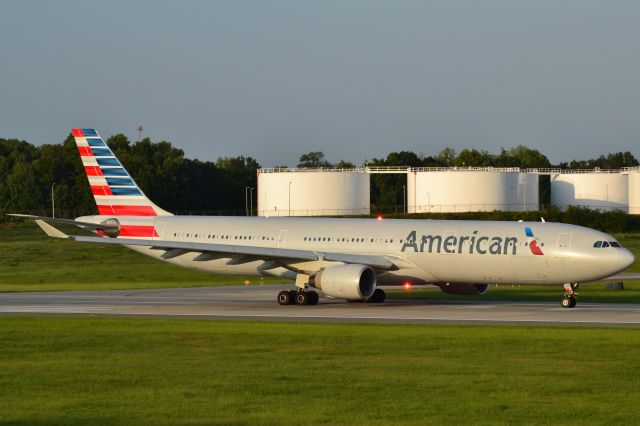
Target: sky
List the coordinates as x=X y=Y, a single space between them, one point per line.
x=356 y=79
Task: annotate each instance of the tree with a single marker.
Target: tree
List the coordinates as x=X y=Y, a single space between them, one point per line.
x=473 y=158
x=523 y=157
x=313 y=159
x=343 y=164
x=446 y=157
x=616 y=160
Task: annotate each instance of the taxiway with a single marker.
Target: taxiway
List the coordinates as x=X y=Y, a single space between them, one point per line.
x=258 y=303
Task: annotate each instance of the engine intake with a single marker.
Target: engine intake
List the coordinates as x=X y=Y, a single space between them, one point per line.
x=112 y=228
x=464 y=288
x=346 y=281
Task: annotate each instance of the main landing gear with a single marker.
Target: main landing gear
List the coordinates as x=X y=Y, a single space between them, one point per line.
x=298 y=297
x=569 y=299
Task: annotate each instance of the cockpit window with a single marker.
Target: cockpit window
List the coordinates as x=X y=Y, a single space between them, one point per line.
x=597 y=244
x=605 y=244
x=615 y=244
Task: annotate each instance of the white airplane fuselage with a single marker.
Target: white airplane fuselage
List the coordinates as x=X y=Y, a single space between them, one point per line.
x=424 y=251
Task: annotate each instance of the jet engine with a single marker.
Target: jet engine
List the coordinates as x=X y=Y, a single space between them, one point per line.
x=346 y=281
x=464 y=288
x=112 y=228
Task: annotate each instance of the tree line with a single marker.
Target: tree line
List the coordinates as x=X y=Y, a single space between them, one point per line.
x=29 y=175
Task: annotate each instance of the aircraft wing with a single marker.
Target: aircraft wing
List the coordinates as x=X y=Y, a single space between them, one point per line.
x=209 y=251
x=628 y=276
x=177 y=248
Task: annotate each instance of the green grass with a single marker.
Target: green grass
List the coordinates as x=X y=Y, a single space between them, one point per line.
x=31 y=261
x=152 y=371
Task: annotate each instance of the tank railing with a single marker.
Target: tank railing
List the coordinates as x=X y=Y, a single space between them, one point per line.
x=581 y=171
x=315 y=212
x=465 y=169
x=311 y=170
x=387 y=169
x=404 y=169
x=472 y=207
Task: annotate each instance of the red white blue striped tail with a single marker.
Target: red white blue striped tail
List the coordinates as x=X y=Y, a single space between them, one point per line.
x=114 y=190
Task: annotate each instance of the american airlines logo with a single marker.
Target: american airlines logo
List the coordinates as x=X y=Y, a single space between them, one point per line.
x=471 y=244
x=533 y=242
x=452 y=244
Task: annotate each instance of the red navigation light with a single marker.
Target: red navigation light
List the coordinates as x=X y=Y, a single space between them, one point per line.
x=379 y=217
x=407 y=285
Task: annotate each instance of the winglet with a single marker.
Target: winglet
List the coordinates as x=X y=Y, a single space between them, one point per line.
x=50 y=230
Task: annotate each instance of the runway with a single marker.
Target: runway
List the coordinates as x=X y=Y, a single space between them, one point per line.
x=258 y=303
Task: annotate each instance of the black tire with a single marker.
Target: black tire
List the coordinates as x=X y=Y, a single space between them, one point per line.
x=378 y=296
x=566 y=302
x=572 y=301
x=302 y=298
x=313 y=298
x=284 y=298
x=292 y=295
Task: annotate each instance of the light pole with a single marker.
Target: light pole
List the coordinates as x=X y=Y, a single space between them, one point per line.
x=404 y=198
x=246 y=201
x=289 y=198
x=251 y=201
x=53 y=200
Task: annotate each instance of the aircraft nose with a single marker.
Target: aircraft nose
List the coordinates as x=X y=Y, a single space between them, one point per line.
x=625 y=259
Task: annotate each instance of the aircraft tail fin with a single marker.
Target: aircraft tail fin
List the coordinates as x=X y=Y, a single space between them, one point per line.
x=114 y=190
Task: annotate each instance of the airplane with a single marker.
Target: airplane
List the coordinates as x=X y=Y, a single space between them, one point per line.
x=342 y=258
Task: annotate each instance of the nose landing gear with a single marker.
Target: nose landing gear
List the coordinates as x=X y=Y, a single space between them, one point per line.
x=569 y=299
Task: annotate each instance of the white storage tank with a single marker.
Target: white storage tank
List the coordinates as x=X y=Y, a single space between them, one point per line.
x=634 y=191
x=313 y=192
x=444 y=190
x=597 y=190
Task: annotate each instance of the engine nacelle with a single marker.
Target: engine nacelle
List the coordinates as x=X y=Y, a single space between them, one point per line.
x=113 y=229
x=346 y=281
x=464 y=288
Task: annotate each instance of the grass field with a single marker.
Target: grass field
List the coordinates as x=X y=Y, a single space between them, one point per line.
x=154 y=371
x=31 y=261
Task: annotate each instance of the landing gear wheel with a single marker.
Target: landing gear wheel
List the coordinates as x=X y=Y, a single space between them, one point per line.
x=293 y=294
x=302 y=298
x=284 y=298
x=378 y=296
x=569 y=300
x=313 y=298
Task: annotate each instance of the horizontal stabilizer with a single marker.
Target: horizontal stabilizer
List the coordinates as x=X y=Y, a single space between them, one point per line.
x=85 y=225
x=50 y=230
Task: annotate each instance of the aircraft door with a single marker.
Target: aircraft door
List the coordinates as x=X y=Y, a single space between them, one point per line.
x=563 y=246
x=282 y=238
